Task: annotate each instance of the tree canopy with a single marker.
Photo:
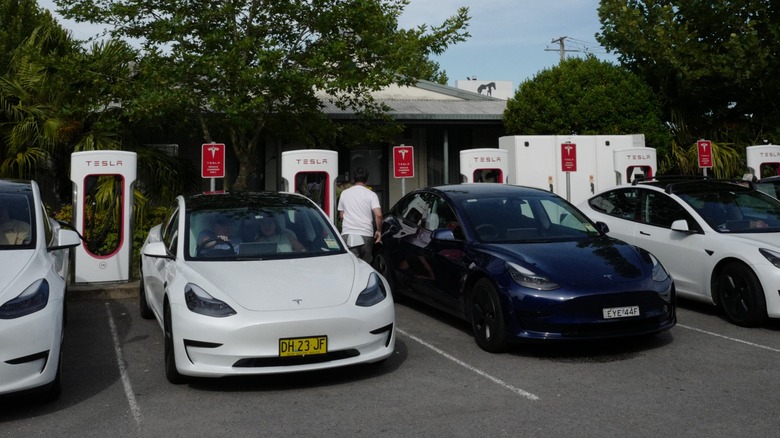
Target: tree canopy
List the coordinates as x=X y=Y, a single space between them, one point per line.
x=713 y=64
x=18 y=19
x=247 y=66
x=586 y=97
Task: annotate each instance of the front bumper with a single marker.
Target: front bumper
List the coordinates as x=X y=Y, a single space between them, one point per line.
x=248 y=342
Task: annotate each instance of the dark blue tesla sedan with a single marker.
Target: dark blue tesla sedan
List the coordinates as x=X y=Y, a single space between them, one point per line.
x=521 y=264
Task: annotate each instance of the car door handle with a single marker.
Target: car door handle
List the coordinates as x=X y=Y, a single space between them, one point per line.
x=644 y=233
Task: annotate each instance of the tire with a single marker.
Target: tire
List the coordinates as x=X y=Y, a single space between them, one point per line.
x=382 y=265
x=171 y=371
x=487 y=318
x=54 y=389
x=740 y=295
x=146 y=311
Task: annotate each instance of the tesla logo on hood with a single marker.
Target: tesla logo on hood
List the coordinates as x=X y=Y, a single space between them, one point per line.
x=608 y=276
x=298 y=300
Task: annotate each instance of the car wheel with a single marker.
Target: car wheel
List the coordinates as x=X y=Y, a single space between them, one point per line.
x=171 y=372
x=54 y=389
x=146 y=311
x=487 y=317
x=740 y=295
x=382 y=265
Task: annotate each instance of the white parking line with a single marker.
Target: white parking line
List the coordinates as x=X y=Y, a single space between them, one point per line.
x=495 y=380
x=729 y=338
x=134 y=408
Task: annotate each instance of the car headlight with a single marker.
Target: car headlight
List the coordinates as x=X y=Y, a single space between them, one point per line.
x=201 y=302
x=373 y=293
x=659 y=273
x=31 y=300
x=529 y=279
x=772 y=256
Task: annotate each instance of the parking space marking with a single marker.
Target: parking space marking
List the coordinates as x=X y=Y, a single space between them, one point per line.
x=775 y=350
x=134 y=408
x=493 y=379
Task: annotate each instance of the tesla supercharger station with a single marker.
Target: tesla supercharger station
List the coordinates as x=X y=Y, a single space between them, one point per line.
x=312 y=173
x=484 y=165
x=763 y=160
x=114 y=171
x=634 y=164
x=576 y=166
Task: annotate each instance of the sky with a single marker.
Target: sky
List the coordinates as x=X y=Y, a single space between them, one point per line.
x=511 y=40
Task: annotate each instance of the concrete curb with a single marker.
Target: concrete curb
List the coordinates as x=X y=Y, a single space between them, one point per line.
x=104 y=291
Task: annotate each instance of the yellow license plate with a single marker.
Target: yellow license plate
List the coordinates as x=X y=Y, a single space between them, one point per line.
x=303 y=346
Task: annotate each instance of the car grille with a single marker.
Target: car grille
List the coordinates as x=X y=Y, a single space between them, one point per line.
x=258 y=362
x=600 y=329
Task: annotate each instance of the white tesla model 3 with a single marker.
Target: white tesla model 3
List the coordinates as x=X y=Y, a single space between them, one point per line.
x=259 y=283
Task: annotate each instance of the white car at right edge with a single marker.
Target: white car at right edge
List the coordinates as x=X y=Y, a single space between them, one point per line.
x=719 y=240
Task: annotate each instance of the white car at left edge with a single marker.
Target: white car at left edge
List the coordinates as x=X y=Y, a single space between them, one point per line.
x=34 y=254
x=260 y=283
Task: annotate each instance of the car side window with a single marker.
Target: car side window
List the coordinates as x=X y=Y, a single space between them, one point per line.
x=621 y=203
x=442 y=216
x=170 y=232
x=47 y=229
x=660 y=210
x=415 y=210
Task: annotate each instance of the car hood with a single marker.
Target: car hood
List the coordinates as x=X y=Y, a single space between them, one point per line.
x=581 y=262
x=272 y=285
x=759 y=239
x=13 y=263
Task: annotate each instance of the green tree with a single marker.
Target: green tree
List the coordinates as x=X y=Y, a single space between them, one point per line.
x=30 y=102
x=586 y=97
x=58 y=98
x=712 y=64
x=18 y=19
x=245 y=66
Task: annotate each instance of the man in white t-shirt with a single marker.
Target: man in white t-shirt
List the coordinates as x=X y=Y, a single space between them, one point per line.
x=361 y=216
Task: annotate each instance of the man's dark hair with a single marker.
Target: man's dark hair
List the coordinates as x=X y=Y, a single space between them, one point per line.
x=361 y=175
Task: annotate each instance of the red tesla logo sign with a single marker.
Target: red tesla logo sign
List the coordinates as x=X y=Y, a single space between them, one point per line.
x=213 y=160
x=403 y=161
x=705 y=153
x=569 y=157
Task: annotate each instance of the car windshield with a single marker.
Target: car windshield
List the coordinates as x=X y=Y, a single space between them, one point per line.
x=771 y=188
x=736 y=211
x=276 y=232
x=16 y=222
x=529 y=219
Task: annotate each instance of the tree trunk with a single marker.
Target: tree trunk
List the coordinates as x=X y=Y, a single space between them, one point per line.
x=248 y=163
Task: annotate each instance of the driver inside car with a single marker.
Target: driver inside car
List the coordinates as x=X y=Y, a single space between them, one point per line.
x=219 y=236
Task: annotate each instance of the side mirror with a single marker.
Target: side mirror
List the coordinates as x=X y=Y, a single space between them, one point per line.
x=157 y=249
x=680 y=225
x=442 y=234
x=602 y=227
x=66 y=239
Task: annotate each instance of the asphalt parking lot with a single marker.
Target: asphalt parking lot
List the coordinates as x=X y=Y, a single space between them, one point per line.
x=705 y=377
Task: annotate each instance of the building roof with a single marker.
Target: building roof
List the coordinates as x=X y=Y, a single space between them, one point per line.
x=429 y=101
